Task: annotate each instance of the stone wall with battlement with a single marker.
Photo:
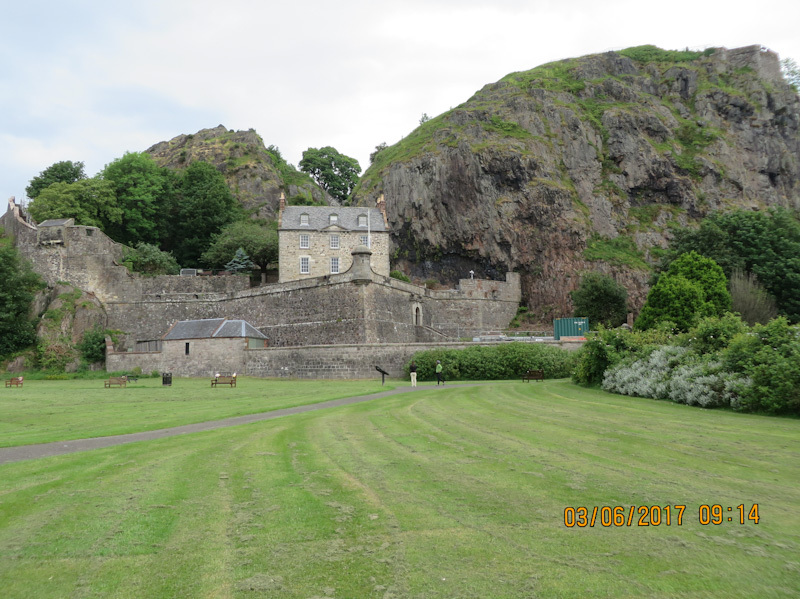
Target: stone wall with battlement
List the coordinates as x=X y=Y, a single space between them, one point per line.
x=360 y=306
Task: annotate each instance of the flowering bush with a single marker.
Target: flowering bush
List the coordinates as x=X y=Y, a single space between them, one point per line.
x=680 y=375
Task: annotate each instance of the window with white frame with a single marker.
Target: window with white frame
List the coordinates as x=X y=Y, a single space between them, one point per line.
x=362 y=220
x=364 y=240
x=334 y=242
x=304 y=265
x=304 y=220
x=334 y=266
x=334 y=218
x=304 y=244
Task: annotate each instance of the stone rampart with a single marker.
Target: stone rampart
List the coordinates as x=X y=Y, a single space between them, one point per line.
x=353 y=361
x=360 y=306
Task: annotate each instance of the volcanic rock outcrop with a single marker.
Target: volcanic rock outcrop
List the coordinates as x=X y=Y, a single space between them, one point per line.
x=588 y=164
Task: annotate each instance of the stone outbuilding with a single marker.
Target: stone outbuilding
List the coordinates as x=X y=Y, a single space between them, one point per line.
x=204 y=347
x=317 y=241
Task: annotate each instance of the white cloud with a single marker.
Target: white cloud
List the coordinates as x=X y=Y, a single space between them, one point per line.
x=90 y=80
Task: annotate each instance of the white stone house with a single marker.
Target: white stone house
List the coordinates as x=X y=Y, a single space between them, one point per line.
x=316 y=241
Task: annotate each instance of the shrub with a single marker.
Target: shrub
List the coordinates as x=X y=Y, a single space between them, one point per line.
x=680 y=375
x=601 y=299
x=605 y=348
x=149 y=260
x=713 y=334
x=692 y=287
x=400 y=276
x=647 y=376
x=498 y=362
x=769 y=355
x=750 y=299
x=93 y=345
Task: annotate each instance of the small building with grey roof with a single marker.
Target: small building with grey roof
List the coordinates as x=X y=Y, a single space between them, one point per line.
x=209 y=345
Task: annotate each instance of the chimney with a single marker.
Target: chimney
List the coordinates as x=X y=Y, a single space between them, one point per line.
x=281 y=208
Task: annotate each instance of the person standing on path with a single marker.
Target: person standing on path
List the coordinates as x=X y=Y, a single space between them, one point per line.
x=413 y=370
x=439 y=375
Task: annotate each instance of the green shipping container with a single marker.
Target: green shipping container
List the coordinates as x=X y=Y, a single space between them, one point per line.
x=570 y=327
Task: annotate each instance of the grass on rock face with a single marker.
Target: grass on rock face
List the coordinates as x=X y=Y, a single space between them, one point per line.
x=439 y=493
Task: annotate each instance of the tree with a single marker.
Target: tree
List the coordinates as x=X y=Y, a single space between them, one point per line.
x=675 y=300
x=144 y=190
x=708 y=275
x=240 y=263
x=93 y=345
x=202 y=205
x=791 y=72
x=147 y=259
x=424 y=118
x=601 y=299
x=259 y=242
x=18 y=284
x=766 y=244
x=60 y=172
x=334 y=172
x=378 y=149
x=750 y=300
x=91 y=202
x=692 y=288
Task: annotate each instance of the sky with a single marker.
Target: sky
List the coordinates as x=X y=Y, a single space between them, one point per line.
x=89 y=80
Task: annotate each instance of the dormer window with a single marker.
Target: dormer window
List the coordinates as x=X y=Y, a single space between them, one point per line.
x=362 y=220
x=304 y=220
x=333 y=219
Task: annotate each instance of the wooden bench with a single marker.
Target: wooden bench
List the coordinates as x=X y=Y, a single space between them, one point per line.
x=533 y=375
x=15 y=381
x=223 y=380
x=119 y=381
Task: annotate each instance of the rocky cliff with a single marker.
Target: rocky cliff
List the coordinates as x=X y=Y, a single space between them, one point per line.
x=256 y=174
x=588 y=164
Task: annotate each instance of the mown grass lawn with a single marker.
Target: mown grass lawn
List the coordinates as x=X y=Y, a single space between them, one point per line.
x=45 y=411
x=440 y=493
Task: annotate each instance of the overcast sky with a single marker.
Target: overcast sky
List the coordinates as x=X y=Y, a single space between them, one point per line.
x=88 y=80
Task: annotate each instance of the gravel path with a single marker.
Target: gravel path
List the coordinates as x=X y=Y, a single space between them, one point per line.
x=44 y=450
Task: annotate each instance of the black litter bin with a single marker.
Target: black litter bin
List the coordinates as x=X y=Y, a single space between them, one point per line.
x=166 y=379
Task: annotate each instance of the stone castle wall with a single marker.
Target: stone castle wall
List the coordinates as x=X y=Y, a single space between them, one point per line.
x=333 y=310
x=359 y=307
x=353 y=361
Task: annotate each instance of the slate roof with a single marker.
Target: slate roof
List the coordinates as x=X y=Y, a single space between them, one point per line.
x=213 y=327
x=319 y=218
x=57 y=222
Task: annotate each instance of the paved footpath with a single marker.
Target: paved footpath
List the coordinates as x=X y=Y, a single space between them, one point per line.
x=44 y=450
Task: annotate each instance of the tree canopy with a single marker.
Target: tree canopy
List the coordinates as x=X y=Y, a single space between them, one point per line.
x=259 y=242
x=149 y=260
x=143 y=191
x=18 y=284
x=692 y=288
x=334 y=172
x=65 y=171
x=91 y=202
x=202 y=205
x=601 y=299
x=764 y=243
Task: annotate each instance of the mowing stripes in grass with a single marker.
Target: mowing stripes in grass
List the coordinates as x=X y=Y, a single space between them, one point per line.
x=449 y=493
